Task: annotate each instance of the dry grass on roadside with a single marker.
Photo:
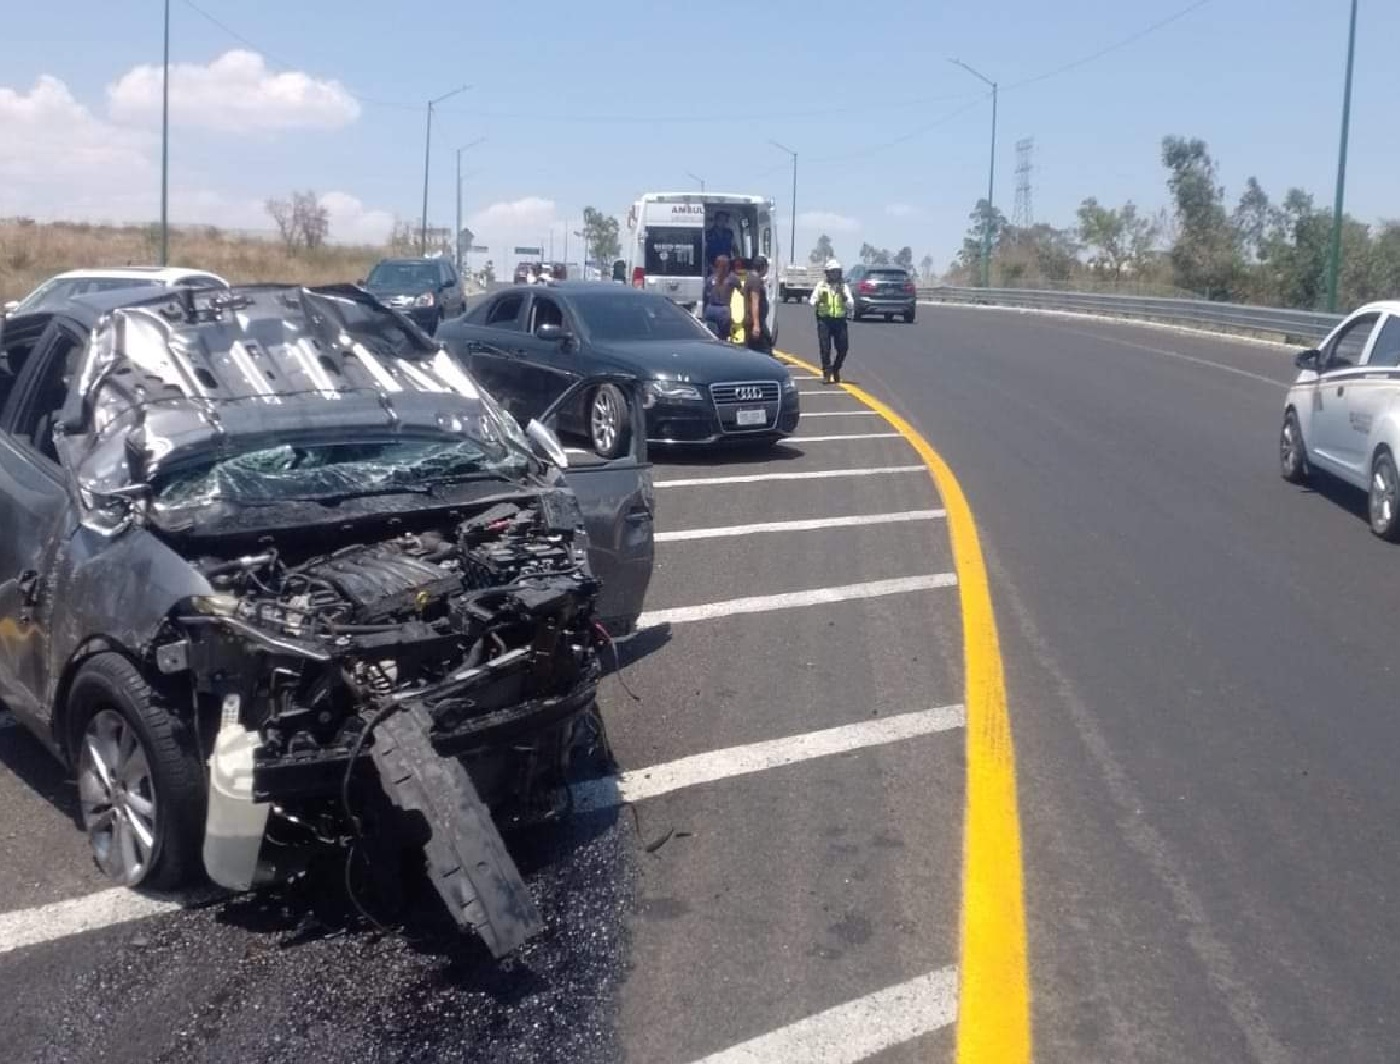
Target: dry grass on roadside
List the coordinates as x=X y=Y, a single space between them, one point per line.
x=32 y=252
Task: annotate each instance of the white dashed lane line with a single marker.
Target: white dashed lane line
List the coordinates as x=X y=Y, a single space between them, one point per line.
x=815 y=524
x=851 y=436
x=840 y=413
x=813 y=474
x=640 y=784
x=92 y=912
x=858 y=1029
x=817 y=596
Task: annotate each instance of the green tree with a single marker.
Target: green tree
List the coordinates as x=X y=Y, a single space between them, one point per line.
x=1385 y=261
x=926 y=264
x=1251 y=220
x=905 y=257
x=1037 y=254
x=1123 y=239
x=971 y=254
x=1204 y=256
x=600 y=234
x=822 y=251
x=873 y=256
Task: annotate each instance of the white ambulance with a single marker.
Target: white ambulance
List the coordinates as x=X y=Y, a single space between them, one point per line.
x=667 y=250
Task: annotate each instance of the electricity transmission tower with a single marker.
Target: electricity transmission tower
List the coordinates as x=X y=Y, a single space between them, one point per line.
x=1023 y=217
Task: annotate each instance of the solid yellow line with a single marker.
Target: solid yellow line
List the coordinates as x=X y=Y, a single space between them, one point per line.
x=994 y=1023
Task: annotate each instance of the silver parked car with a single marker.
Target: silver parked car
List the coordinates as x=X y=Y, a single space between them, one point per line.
x=1342 y=414
x=277 y=575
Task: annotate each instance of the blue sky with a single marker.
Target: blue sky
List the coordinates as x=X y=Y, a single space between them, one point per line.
x=594 y=103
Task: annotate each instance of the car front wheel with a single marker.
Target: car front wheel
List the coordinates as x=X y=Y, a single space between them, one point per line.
x=1293 y=455
x=608 y=425
x=140 y=778
x=1384 y=502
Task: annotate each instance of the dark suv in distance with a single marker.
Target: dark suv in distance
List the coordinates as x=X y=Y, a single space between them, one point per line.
x=887 y=290
x=425 y=290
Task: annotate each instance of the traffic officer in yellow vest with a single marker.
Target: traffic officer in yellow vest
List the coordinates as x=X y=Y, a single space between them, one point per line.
x=832 y=298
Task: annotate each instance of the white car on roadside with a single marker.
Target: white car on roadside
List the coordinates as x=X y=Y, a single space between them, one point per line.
x=1342 y=414
x=108 y=279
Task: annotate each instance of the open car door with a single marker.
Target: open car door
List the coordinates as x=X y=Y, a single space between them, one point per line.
x=618 y=504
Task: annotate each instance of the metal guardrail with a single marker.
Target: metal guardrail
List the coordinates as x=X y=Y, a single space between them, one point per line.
x=1289 y=326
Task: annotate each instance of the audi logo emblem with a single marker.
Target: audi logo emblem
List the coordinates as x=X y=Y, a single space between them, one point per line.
x=748 y=392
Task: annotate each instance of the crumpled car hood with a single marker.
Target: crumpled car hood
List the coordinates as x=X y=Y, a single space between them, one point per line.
x=152 y=390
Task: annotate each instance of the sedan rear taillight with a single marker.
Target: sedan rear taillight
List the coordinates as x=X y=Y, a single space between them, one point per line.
x=909 y=287
x=867 y=286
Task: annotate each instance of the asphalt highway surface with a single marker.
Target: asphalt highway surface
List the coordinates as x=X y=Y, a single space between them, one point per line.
x=1199 y=680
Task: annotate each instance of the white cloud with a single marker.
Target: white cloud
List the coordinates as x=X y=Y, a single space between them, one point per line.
x=51 y=146
x=827 y=221
x=524 y=222
x=903 y=210
x=60 y=161
x=354 y=223
x=236 y=93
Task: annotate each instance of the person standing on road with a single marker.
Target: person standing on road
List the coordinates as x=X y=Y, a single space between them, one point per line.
x=719 y=287
x=756 y=306
x=832 y=298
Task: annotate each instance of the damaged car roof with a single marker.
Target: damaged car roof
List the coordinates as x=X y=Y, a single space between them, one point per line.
x=193 y=370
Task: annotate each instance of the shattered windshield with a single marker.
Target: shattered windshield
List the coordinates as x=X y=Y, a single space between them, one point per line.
x=342 y=470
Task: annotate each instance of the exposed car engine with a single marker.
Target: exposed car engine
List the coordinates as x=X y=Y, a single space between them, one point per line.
x=474 y=644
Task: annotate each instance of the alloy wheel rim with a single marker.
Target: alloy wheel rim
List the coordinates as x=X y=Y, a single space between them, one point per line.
x=117 y=791
x=1289 y=448
x=1383 y=496
x=604 y=422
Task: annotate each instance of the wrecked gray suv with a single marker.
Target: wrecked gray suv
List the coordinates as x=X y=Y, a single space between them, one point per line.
x=276 y=577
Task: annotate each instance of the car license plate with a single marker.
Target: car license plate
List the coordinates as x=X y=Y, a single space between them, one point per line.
x=757 y=416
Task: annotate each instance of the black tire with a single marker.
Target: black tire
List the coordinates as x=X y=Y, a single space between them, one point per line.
x=1293 y=453
x=615 y=444
x=1383 y=497
x=909 y=318
x=109 y=682
x=889 y=317
x=857 y=316
x=467 y=860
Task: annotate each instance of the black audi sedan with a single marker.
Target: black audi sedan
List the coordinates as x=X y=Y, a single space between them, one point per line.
x=527 y=343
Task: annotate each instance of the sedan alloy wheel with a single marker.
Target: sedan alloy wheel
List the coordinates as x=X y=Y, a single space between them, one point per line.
x=1384 y=502
x=118 y=794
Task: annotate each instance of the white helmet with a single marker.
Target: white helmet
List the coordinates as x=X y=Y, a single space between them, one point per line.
x=831 y=264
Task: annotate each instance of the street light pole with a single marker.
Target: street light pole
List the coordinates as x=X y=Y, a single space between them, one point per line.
x=792 y=237
x=991 y=179
x=165 y=146
x=699 y=180
x=457 y=237
x=427 y=155
x=1334 y=257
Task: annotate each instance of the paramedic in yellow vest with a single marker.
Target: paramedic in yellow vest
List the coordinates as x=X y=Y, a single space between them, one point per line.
x=832 y=298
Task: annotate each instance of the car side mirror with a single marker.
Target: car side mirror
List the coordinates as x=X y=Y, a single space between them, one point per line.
x=552 y=333
x=546 y=443
x=1309 y=359
x=360 y=283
